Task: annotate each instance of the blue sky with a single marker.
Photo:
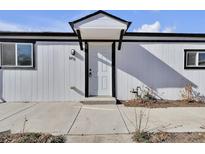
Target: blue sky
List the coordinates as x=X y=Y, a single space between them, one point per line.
x=148 y=21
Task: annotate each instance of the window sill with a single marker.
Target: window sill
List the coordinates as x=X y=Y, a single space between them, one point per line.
x=197 y=68
x=17 y=68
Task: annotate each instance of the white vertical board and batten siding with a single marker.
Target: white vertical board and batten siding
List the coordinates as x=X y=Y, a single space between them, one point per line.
x=159 y=66
x=52 y=78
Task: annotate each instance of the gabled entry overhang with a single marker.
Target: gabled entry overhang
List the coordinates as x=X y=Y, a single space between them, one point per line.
x=100 y=26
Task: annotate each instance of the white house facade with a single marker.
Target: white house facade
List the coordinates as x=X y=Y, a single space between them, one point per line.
x=99 y=59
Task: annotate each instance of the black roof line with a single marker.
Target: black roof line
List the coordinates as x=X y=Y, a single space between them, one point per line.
x=12 y=33
x=98 y=12
x=153 y=34
x=95 y=13
x=69 y=34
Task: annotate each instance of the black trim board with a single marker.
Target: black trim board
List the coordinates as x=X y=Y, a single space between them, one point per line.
x=80 y=39
x=91 y=40
x=167 y=41
x=185 y=59
x=86 y=69
x=98 y=12
x=71 y=34
x=35 y=40
x=113 y=70
x=120 y=40
x=63 y=34
x=194 y=50
x=150 y=34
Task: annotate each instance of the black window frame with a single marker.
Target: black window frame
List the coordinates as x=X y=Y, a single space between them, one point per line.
x=18 y=67
x=185 y=58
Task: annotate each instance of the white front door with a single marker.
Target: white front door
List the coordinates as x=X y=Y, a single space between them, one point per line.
x=100 y=66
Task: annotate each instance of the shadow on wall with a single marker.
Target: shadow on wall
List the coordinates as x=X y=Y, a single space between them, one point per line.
x=150 y=70
x=80 y=92
x=79 y=56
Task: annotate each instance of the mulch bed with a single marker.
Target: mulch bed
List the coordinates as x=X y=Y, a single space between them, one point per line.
x=165 y=137
x=163 y=103
x=30 y=138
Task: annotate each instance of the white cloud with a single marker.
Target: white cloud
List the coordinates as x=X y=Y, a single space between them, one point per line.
x=154 y=27
x=169 y=29
x=4 y=26
x=55 y=26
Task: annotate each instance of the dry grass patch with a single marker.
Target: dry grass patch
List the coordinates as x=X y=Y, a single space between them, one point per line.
x=163 y=103
x=30 y=138
x=165 y=137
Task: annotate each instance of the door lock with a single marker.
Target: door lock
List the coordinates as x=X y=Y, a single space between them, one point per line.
x=90 y=72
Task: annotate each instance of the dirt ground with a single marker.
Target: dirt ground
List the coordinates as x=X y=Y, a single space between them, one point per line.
x=164 y=137
x=162 y=103
x=30 y=138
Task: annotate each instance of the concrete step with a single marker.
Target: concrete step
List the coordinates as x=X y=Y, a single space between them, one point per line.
x=99 y=100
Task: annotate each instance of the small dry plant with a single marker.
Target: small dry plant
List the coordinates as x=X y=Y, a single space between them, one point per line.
x=141 y=118
x=144 y=93
x=141 y=135
x=187 y=93
x=24 y=124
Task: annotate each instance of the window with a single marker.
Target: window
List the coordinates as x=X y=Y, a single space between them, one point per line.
x=201 y=59
x=16 y=55
x=191 y=59
x=195 y=58
x=8 y=54
x=24 y=52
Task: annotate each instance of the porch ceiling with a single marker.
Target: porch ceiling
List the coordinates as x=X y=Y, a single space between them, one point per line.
x=100 y=34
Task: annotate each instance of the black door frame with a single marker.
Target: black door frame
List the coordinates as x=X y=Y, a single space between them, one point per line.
x=86 y=69
x=113 y=69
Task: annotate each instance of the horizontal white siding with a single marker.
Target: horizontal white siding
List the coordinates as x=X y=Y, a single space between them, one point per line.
x=159 y=66
x=51 y=80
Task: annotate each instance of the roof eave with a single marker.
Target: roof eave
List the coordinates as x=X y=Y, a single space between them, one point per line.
x=153 y=34
x=95 y=13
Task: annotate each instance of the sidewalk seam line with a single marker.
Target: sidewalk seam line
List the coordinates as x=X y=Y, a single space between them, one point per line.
x=74 y=121
x=123 y=119
x=11 y=115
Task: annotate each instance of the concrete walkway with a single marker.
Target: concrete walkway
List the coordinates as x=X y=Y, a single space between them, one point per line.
x=97 y=122
x=55 y=118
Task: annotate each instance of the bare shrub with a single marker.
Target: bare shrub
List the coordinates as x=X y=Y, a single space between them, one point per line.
x=198 y=97
x=141 y=134
x=187 y=93
x=142 y=118
x=144 y=93
x=24 y=124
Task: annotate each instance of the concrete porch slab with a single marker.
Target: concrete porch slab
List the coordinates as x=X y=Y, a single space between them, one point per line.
x=55 y=118
x=99 y=100
x=99 y=119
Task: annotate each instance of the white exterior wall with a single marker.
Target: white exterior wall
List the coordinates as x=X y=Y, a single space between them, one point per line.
x=159 y=66
x=53 y=77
